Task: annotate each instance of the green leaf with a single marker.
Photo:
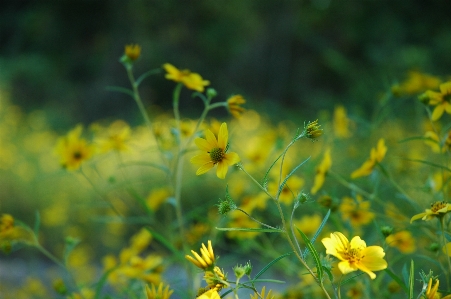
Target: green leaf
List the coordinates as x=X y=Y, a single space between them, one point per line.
x=397 y=279
x=329 y=273
x=270 y=264
x=289 y=175
x=430 y=164
x=121 y=89
x=318 y=231
x=319 y=266
x=147 y=74
x=411 y=279
x=37 y=223
x=251 y=230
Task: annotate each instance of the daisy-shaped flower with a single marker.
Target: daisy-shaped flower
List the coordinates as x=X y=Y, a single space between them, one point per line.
x=441 y=100
x=206 y=259
x=192 y=81
x=355 y=255
x=438 y=209
x=215 y=153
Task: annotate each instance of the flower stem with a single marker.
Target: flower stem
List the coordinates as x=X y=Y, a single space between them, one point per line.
x=442 y=228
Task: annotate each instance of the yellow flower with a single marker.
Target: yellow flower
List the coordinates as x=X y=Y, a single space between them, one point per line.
x=115 y=137
x=216 y=153
x=341 y=123
x=206 y=261
x=308 y=224
x=215 y=279
x=441 y=100
x=356 y=211
x=211 y=294
x=133 y=51
x=321 y=172
x=355 y=255
x=262 y=294
x=160 y=293
x=376 y=156
x=402 y=240
x=192 y=81
x=73 y=150
x=431 y=291
x=416 y=82
x=438 y=209
x=289 y=190
x=234 y=105
x=433 y=141
x=157 y=197
x=10 y=232
x=313 y=130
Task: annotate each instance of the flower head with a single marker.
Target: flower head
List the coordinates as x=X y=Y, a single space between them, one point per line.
x=341 y=123
x=73 y=150
x=438 y=209
x=192 y=81
x=403 y=240
x=160 y=293
x=441 y=100
x=234 y=105
x=133 y=51
x=206 y=259
x=355 y=255
x=313 y=130
x=357 y=211
x=216 y=153
x=376 y=156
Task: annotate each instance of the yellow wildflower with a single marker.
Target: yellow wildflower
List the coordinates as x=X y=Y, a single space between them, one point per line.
x=234 y=105
x=313 y=130
x=431 y=291
x=191 y=80
x=10 y=232
x=115 y=137
x=160 y=293
x=157 y=197
x=215 y=279
x=211 y=294
x=308 y=224
x=357 y=211
x=376 y=156
x=73 y=150
x=262 y=294
x=403 y=240
x=438 y=209
x=341 y=122
x=321 y=172
x=216 y=153
x=206 y=259
x=355 y=255
x=441 y=100
x=133 y=51
x=416 y=82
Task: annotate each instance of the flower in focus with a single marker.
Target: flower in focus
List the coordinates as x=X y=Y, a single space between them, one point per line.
x=341 y=123
x=216 y=279
x=431 y=291
x=234 y=105
x=160 y=293
x=438 y=209
x=441 y=100
x=357 y=211
x=263 y=294
x=73 y=150
x=133 y=51
x=376 y=156
x=321 y=172
x=206 y=259
x=355 y=255
x=402 y=240
x=191 y=80
x=313 y=130
x=216 y=153
x=210 y=294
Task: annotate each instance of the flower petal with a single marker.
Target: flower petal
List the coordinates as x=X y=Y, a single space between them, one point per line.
x=204 y=168
x=417 y=216
x=438 y=112
x=223 y=136
x=222 y=169
x=231 y=158
x=203 y=144
x=346 y=267
x=211 y=139
x=357 y=242
x=201 y=159
x=373 y=258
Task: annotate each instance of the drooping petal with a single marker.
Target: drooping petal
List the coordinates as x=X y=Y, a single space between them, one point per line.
x=417 y=216
x=223 y=136
x=346 y=267
x=231 y=158
x=203 y=144
x=222 y=169
x=211 y=139
x=201 y=159
x=362 y=268
x=204 y=168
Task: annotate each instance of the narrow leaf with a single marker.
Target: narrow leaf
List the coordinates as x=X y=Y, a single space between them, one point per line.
x=147 y=74
x=319 y=266
x=397 y=279
x=251 y=230
x=411 y=279
x=265 y=178
x=430 y=164
x=270 y=264
x=121 y=89
x=37 y=223
x=318 y=231
x=329 y=273
x=289 y=175
x=102 y=281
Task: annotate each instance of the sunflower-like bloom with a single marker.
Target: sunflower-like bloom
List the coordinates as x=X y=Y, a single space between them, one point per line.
x=355 y=255
x=216 y=153
x=376 y=156
x=438 y=209
x=73 y=150
x=206 y=259
x=262 y=294
x=321 y=172
x=160 y=293
x=133 y=51
x=192 y=81
x=441 y=100
x=234 y=105
x=211 y=294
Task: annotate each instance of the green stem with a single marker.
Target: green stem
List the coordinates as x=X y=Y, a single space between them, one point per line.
x=252 y=218
x=442 y=228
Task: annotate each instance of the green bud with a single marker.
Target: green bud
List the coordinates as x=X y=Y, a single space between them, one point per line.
x=211 y=93
x=386 y=230
x=239 y=271
x=59 y=286
x=434 y=247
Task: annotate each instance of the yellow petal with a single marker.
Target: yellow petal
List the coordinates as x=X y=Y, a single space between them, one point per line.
x=357 y=242
x=203 y=144
x=438 y=112
x=231 y=158
x=201 y=159
x=374 y=258
x=445 y=88
x=417 y=216
x=204 y=168
x=221 y=172
x=223 y=136
x=211 y=139
x=345 y=267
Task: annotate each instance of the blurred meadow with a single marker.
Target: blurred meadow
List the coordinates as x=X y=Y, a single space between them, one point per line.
x=225 y=149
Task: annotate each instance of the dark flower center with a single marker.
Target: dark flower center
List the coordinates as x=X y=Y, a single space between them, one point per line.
x=216 y=155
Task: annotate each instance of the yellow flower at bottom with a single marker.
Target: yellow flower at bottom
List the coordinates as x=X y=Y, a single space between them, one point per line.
x=216 y=153
x=160 y=293
x=438 y=209
x=211 y=294
x=355 y=255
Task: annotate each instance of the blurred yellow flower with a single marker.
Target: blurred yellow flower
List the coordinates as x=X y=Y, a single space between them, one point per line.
x=438 y=209
x=289 y=190
x=308 y=224
x=433 y=141
x=216 y=153
x=356 y=211
x=160 y=293
x=206 y=259
x=262 y=294
x=234 y=105
x=115 y=137
x=133 y=51
x=10 y=232
x=321 y=172
x=415 y=83
x=376 y=156
x=73 y=150
x=403 y=240
x=211 y=294
x=191 y=81
x=341 y=122
x=157 y=197
x=355 y=255
x=441 y=100
x=239 y=219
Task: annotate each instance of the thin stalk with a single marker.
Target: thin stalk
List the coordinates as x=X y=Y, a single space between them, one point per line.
x=252 y=218
x=442 y=228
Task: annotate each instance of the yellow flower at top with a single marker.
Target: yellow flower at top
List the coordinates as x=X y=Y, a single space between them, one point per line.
x=262 y=294
x=357 y=211
x=160 y=293
x=73 y=150
x=438 y=209
x=133 y=51
x=234 y=105
x=376 y=156
x=441 y=100
x=321 y=172
x=191 y=80
x=206 y=259
x=355 y=255
x=215 y=153
x=403 y=240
